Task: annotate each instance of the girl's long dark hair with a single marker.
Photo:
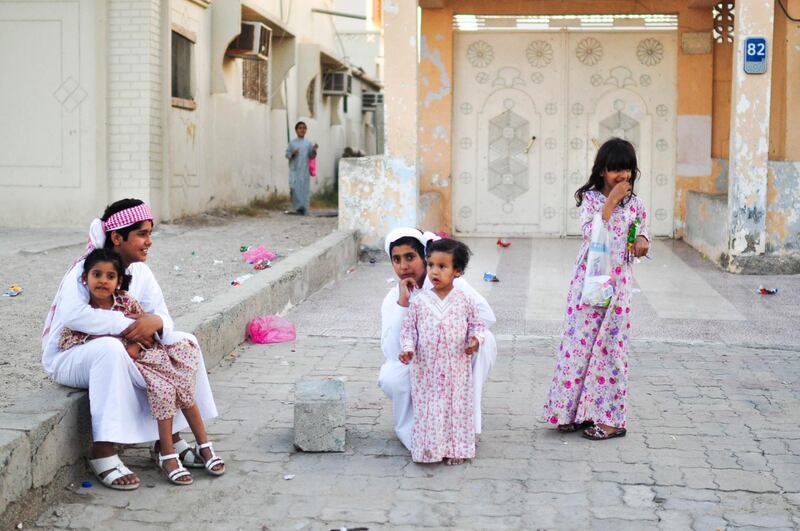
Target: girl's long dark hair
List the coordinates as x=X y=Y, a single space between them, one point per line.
x=614 y=155
x=107 y=255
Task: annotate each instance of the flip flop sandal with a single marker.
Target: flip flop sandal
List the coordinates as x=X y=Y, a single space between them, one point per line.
x=176 y=474
x=212 y=462
x=596 y=433
x=575 y=426
x=117 y=469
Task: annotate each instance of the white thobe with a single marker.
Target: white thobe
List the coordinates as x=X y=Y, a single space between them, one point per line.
x=117 y=391
x=395 y=379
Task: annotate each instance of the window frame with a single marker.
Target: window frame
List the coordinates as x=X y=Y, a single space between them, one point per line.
x=178 y=102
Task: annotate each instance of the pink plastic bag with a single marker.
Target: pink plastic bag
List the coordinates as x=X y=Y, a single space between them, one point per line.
x=270 y=329
x=258 y=254
x=312 y=167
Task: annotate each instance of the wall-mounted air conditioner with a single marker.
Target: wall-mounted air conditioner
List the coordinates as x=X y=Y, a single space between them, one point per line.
x=337 y=83
x=370 y=100
x=252 y=43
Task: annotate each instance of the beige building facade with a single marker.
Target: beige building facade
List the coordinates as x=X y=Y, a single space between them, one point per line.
x=513 y=98
x=187 y=104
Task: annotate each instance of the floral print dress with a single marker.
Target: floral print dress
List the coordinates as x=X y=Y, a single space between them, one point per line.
x=168 y=370
x=590 y=381
x=437 y=331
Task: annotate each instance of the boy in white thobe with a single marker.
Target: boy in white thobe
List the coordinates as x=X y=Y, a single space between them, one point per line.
x=117 y=391
x=394 y=378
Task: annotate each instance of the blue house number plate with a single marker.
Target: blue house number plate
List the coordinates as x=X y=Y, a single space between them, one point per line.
x=755 y=55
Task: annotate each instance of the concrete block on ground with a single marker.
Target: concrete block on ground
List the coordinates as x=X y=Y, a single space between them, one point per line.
x=15 y=466
x=319 y=415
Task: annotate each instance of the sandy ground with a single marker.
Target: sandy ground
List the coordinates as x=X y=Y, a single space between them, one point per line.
x=197 y=257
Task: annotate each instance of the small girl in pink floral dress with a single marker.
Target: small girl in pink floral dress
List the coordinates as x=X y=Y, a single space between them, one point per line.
x=589 y=389
x=168 y=369
x=440 y=332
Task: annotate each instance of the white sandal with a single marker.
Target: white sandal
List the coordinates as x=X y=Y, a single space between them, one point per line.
x=115 y=468
x=176 y=474
x=189 y=459
x=211 y=463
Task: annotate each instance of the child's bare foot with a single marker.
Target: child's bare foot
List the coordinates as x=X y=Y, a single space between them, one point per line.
x=452 y=461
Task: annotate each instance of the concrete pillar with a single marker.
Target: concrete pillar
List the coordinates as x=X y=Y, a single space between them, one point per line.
x=749 y=141
x=379 y=193
x=400 y=80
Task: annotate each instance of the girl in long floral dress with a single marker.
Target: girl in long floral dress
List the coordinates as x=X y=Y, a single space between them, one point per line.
x=440 y=333
x=168 y=369
x=589 y=389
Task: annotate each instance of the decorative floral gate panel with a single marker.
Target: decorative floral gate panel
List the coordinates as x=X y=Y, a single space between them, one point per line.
x=530 y=111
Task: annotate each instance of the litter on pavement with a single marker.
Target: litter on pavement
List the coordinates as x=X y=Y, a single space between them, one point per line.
x=258 y=254
x=271 y=329
x=262 y=264
x=13 y=290
x=490 y=277
x=240 y=279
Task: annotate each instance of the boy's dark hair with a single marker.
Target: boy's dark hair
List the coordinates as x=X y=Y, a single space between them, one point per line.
x=107 y=255
x=298 y=124
x=615 y=154
x=459 y=251
x=409 y=240
x=119 y=206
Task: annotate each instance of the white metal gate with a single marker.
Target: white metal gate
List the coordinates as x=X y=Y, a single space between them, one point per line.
x=530 y=110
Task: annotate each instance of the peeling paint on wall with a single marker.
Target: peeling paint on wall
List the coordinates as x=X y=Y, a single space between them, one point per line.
x=435 y=58
x=783 y=207
x=436 y=180
x=376 y=194
x=390 y=6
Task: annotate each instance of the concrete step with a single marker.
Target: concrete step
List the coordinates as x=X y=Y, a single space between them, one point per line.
x=50 y=430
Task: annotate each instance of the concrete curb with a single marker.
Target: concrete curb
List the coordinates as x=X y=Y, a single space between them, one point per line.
x=49 y=430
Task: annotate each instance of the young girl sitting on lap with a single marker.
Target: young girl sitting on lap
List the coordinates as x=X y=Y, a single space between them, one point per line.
x=168 y=369
x=440 y=333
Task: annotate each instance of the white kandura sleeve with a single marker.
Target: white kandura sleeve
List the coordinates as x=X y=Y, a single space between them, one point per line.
x=392 y=315
x=484 y=310
x=76 y=314
x=146 y=290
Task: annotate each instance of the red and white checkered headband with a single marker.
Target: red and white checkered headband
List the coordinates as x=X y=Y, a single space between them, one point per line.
x=120 y=220
x=128 y=217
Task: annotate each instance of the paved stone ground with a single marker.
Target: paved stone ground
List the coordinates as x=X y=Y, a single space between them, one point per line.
x=714 y=439
x=714 y=444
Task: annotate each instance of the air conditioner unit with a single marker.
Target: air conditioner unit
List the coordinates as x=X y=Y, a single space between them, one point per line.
x=370 y=100
x=252 y=42
x=337 y=83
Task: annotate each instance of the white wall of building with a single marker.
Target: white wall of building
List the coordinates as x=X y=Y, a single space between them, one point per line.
x=92 y=120
x=52 y=113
